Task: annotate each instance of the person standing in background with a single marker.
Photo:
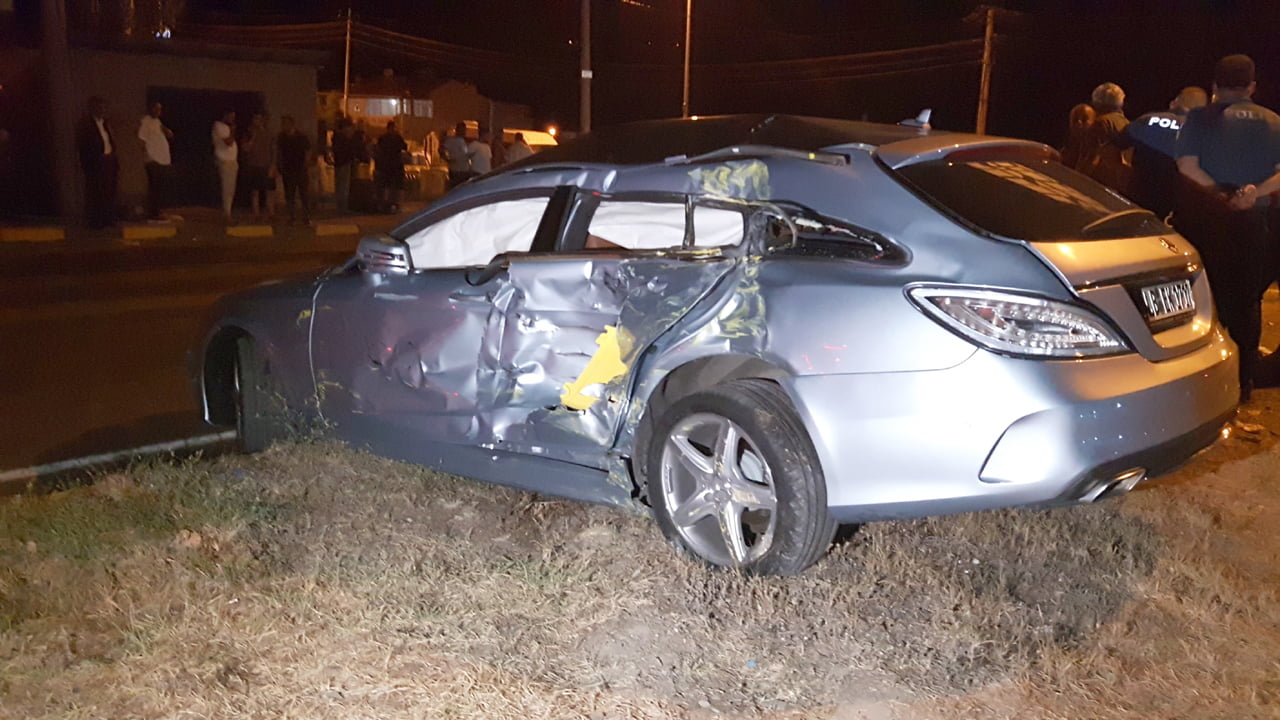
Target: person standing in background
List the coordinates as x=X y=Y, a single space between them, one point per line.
x=497 y=149
x=97 y=149
x=8 y=188
x=344 y=164
x=1229 y=150
x=1079 y=124
x=226 y=156
x=1106 y=161
x=389 y=168
x=1154 y=138
x=481 y=153
x=293 y=156
x=259 y=155
x=519 y=149
x=155 y=139
x=457 y=155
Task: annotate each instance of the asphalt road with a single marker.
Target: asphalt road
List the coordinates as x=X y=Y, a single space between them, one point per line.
x=94 y=336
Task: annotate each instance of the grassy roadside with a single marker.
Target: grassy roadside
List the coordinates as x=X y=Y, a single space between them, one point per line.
x=311 y=581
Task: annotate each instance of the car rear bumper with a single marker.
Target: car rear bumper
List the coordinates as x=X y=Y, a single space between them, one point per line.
x=998 y=432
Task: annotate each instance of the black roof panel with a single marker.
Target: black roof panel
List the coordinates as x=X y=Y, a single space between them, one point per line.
x=653 y=141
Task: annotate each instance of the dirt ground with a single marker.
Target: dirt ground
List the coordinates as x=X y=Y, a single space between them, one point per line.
x=315 y=582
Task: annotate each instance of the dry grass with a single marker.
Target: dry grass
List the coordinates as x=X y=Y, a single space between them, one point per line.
x=311 y=581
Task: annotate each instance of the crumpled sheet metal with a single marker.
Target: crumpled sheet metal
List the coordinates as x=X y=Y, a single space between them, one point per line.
x=738 y=179
x=650 y=296
x=734 y=323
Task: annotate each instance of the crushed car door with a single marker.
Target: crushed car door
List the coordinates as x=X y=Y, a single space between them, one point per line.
x=400 y=356
x=574 y=323
x=399 y=353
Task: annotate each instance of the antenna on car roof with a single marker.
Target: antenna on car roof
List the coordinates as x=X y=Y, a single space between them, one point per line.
x=921 y=121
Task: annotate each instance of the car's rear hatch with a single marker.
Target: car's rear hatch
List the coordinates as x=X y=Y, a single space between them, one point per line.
x=1121 y=259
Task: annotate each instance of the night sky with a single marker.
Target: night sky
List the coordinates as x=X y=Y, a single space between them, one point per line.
x=1049 y=56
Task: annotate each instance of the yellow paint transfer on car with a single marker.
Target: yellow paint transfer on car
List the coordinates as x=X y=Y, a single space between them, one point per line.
x=745 y=180
x=605 y=365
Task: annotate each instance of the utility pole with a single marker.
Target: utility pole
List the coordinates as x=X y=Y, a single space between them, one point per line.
x=57 y=63
x=346 y=67
x=984 y=89
x=584 y=82
x=688 y=36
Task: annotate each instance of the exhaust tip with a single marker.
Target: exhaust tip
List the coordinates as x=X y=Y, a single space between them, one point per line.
x=1118 y=484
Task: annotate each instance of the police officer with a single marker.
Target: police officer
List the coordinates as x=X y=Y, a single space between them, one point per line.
x=1153 y=138
x=1230 y=151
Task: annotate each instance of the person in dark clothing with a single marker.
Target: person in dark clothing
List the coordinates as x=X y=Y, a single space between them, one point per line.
x=389 y=167
x=1229 y=150
x=293 y=156
x=1153 y=138
x=97 y=149
x=8 y=184
x=345 y=154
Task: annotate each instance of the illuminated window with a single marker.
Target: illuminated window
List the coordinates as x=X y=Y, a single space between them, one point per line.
x=388 y=107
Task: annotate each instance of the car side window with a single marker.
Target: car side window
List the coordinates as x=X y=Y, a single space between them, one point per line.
x=475 y=236
x=634 y=225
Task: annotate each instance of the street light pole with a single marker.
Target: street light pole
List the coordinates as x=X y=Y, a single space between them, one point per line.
x=62 y=100
x=984 y=88
x=346 y=67
x=584 y=81
x=688 y=34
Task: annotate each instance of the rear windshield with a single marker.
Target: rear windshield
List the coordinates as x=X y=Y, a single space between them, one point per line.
x=1028 y=197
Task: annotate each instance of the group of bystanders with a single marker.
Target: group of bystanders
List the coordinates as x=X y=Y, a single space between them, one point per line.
x=1210 y=165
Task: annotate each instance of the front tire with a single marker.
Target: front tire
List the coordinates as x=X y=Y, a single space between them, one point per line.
x=734 y=480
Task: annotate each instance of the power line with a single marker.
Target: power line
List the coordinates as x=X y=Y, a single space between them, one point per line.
x=866 y=75
x=328 y=31
x=880 y=63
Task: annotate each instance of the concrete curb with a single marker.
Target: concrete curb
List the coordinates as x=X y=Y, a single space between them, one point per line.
x=250 y=231
x=148 y=232
x=17 y=480
x=327 y=229
x=32 y=234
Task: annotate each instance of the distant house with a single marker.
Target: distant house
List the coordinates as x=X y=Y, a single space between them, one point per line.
x=422 y=105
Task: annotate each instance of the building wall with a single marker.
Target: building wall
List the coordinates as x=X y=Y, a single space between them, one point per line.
x=123 y=78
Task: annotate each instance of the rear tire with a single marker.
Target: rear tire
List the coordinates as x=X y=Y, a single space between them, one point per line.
x=734 y=480
x=259 y=417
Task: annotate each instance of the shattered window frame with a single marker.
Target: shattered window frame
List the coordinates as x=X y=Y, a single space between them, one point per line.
x=577 y=236
x=819 y=236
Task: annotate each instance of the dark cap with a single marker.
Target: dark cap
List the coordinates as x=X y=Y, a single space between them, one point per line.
x=1233 y=71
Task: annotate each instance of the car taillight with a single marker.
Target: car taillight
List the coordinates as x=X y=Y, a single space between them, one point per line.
x=1019 y=325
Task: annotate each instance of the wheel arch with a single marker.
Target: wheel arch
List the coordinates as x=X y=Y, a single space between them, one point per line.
x=218 y=375
x=686 y=379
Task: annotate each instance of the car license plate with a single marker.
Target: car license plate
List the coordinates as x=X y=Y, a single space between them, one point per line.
x=1168 y=299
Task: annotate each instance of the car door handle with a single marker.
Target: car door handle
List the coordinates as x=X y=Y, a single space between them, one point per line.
x=472 y=297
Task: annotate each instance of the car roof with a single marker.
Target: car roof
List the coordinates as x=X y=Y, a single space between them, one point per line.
x=653 y=141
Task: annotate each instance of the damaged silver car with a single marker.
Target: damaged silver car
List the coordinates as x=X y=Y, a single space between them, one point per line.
x=758 y=327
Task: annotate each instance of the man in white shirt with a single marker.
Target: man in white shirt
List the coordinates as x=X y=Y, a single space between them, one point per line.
x=457 y=153
x=481 y=154
x=155 y=145
x=225 y=155
x=519 y=149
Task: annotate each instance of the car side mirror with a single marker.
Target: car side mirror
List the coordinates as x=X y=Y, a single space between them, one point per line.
x=383 y=255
